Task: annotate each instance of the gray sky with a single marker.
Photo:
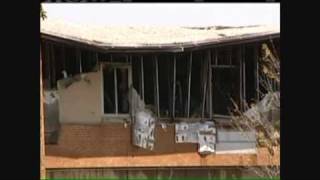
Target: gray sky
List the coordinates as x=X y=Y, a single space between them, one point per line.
x=177 y=14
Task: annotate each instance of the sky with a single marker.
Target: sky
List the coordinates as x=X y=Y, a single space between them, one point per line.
x=168 y=14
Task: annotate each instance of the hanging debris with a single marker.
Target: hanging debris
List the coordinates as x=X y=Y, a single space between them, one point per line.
x=143 y=130
x=51 y=116
x=267 y=109
x=143 y=122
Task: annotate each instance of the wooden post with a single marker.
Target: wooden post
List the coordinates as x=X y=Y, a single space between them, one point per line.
x=42 y=139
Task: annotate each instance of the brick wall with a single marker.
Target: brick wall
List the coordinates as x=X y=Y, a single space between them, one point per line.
x=111 y=139
x=109 y=145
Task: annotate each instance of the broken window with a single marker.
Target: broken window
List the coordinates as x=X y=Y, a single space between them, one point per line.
x=116 y=83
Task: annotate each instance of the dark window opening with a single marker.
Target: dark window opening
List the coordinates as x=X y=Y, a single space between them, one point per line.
x=225 y=80
x=115 y=89
x=250 y=75
x=123 y=90
x=108 y=89
x=149 y=83
x=181 y=85
x=136 y=73
x=165 y=85
x=196 y=85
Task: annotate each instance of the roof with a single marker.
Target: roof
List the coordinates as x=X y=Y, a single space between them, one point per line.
x=152 y=37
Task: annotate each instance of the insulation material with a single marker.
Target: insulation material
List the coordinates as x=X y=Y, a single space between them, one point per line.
x=203 y=133
x=267 y=109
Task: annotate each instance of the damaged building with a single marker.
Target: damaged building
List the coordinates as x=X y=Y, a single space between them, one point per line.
x=150 y=101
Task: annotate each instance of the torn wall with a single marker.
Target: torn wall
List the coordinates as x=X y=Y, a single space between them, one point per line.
x=81 y=98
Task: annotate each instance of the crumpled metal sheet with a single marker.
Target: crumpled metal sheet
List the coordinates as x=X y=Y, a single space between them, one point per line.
x=143 y=130
x=143 y=123
x=203 y=133
x=51 y=115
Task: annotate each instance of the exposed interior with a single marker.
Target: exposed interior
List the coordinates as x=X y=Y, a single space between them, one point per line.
x=191 y=85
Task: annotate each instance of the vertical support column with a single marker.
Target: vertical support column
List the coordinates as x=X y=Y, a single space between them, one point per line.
x=240 y=70
x=243 y=47
x=256 y=62
x=63 y=48
x=47 y=63
x=210 y=83
x=42 y=139
x=53 y=63
x=174 y=86
x=205 y=79
x=127 y=58
x=97 y=58
x=157 y=86
x=115 y=90
x=79 y=59
x=189 y=85
x=142 y=78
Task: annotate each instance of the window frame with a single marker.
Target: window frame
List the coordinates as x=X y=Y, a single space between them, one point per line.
x=127 y=66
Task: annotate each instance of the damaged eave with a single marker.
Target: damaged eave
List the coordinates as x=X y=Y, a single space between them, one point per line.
x=113 y=48
x=169 y=47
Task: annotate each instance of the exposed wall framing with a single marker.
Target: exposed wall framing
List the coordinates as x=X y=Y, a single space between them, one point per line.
x=182 y=85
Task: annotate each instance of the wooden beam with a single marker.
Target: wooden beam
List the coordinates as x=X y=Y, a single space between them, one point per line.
x=42 y=132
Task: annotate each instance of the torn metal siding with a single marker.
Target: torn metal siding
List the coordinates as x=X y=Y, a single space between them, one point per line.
x=143 y=130
x=203 y=133
x=51 y=115
x=235 y=142
x=143 y=122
